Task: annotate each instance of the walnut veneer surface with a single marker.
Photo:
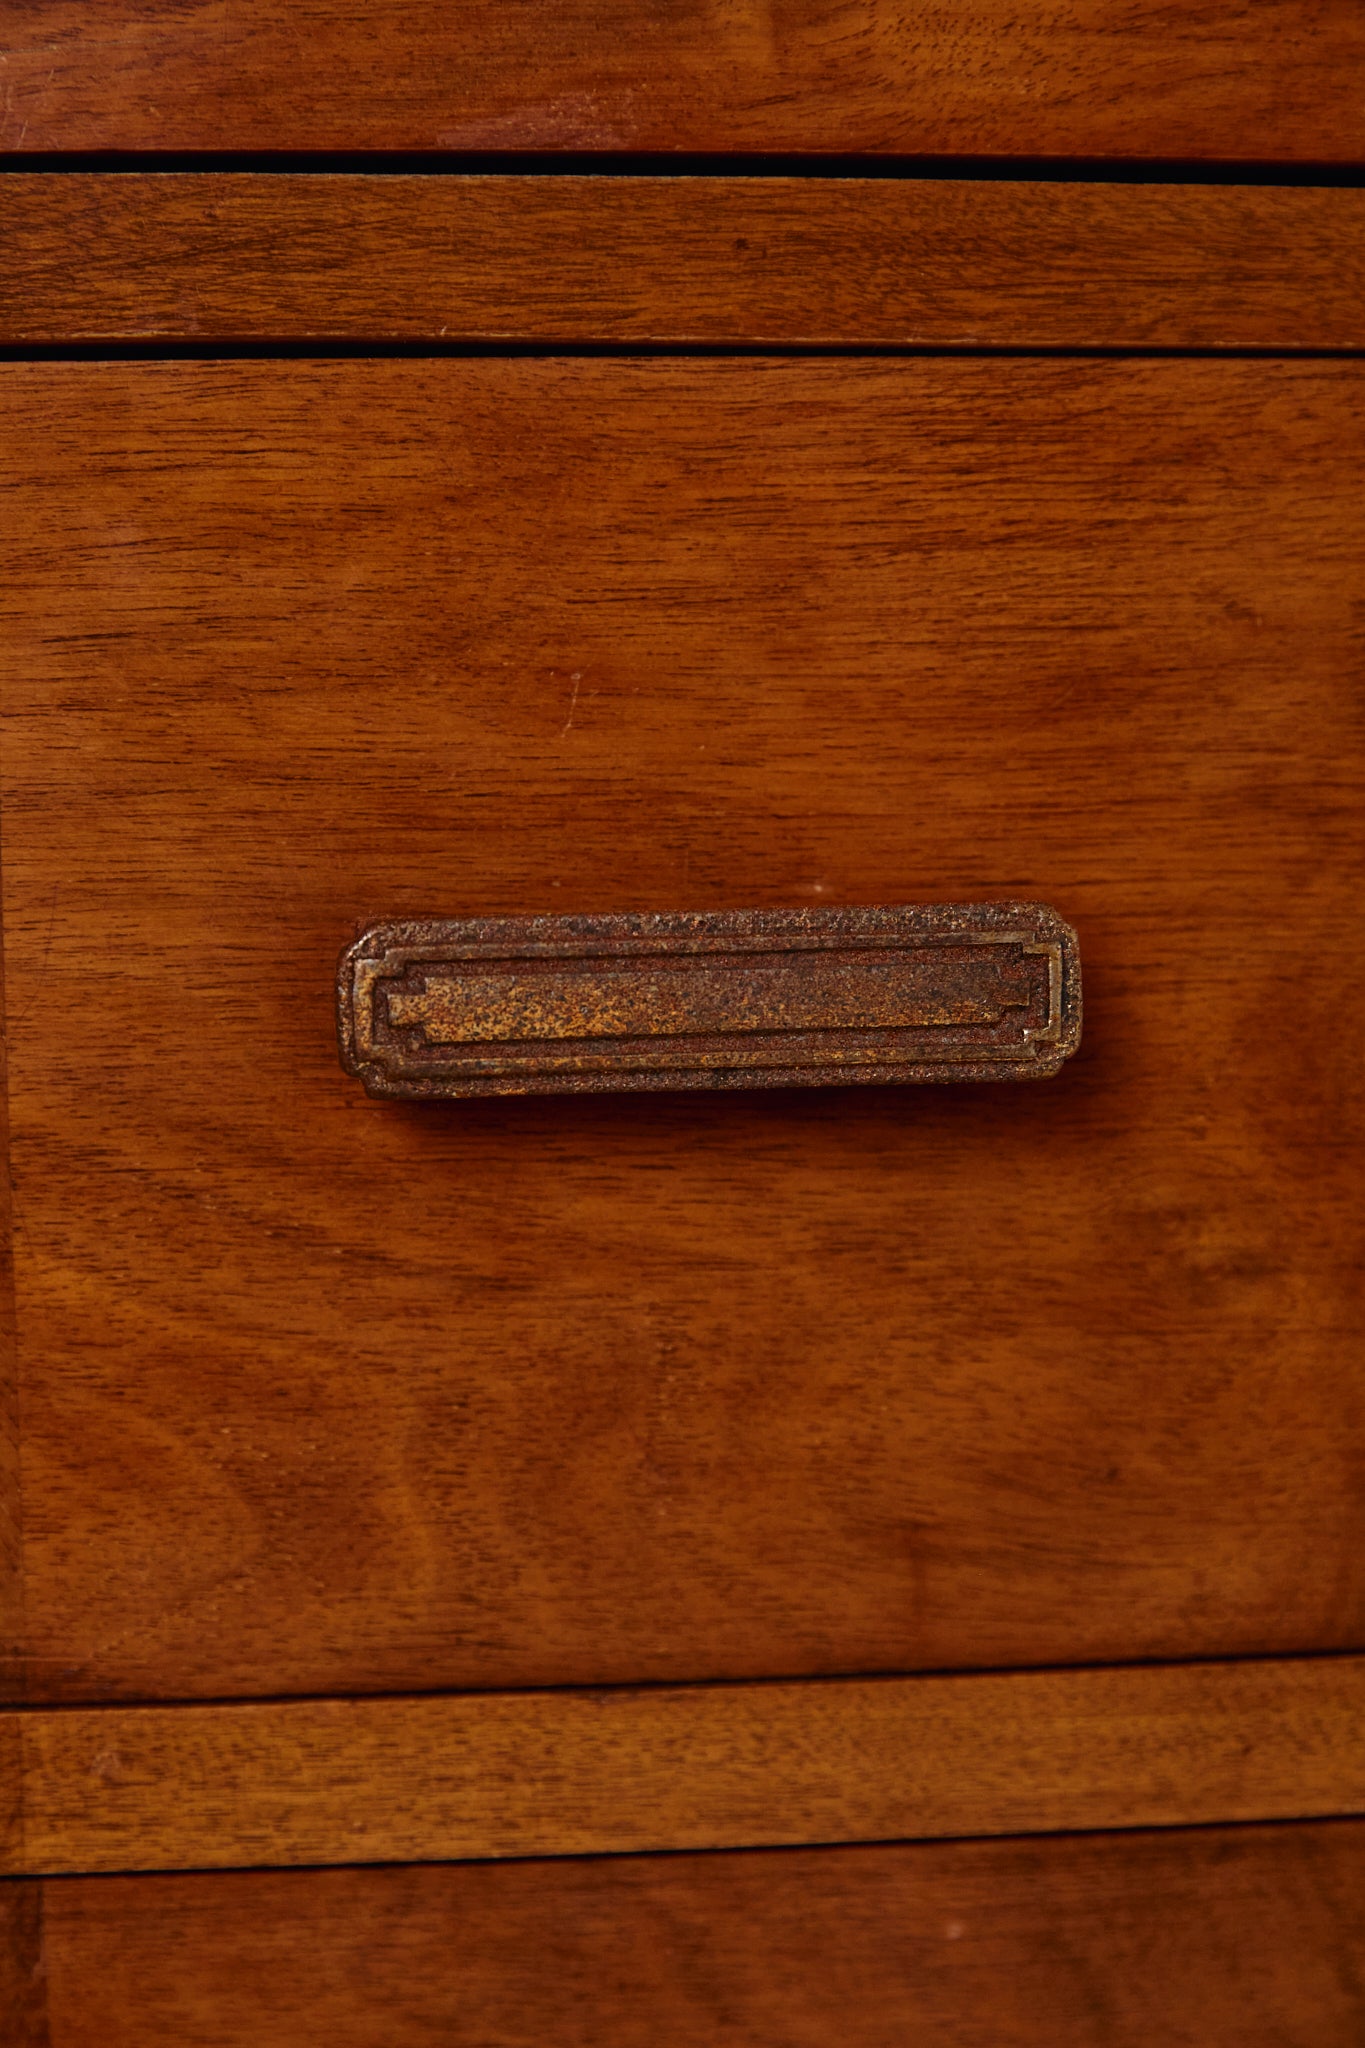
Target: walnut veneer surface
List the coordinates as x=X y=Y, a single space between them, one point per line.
x=309 y=1396
x=1278 y=81
x=1209 y=1938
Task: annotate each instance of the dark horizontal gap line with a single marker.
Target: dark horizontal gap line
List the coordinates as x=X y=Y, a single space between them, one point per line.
x=397 y=1695
x=231 y=350
x=691 y=164
x=819 y=1843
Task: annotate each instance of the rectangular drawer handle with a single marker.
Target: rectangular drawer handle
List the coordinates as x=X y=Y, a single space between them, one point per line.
x=436 y=1008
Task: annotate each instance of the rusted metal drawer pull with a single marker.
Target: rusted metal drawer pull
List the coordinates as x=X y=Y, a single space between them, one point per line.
x=720 y=999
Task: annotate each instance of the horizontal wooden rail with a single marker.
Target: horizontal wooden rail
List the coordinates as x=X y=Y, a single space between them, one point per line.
x=572 y=1772
x=737 y=261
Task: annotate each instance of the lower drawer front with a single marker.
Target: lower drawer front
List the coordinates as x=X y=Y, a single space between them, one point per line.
x=1219 y=1938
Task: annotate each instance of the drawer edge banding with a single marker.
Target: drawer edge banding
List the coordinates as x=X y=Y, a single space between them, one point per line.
x=441 y=1008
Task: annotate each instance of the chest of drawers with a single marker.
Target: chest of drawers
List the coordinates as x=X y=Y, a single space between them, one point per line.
x=779 y=1566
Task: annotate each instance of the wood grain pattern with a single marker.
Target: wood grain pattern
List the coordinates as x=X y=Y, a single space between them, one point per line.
x=570 y=1773
x=23 y=1983
x=11 y=1488
x=1280 y=81
x=705 y=260
x=1225 y=1938
x=322 y=1394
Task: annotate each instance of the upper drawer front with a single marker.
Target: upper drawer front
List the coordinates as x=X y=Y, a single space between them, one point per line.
x=1278 y=82
x=324 y=1394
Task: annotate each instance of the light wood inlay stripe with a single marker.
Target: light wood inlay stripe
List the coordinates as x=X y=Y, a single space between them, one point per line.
x=574 y=1772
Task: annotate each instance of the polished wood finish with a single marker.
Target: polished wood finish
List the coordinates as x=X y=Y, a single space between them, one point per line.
x=23 y=1988
x=1222 y=1938
x=330 y=1395
x=322 y=1394
x=11 y=1485
x=1280 y=81
x=942 y=263
x=569 y=1773
x=348 y=1398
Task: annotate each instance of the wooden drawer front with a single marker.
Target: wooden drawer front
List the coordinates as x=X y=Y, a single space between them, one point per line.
x=320 y=1394
x=1219 y=1938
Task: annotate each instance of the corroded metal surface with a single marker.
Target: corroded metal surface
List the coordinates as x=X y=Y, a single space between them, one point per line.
x=719 y=999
